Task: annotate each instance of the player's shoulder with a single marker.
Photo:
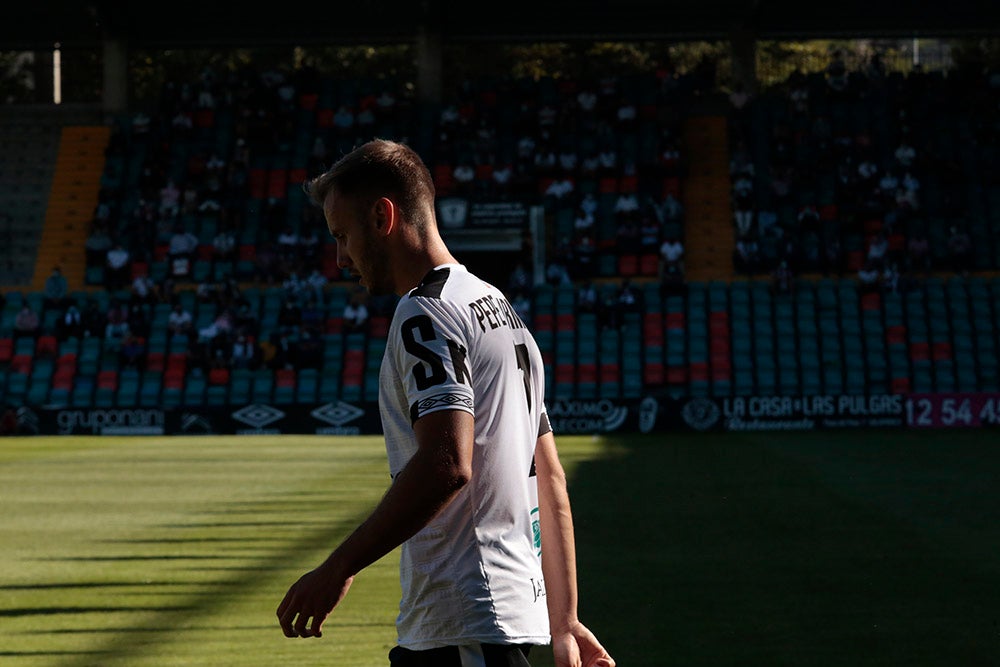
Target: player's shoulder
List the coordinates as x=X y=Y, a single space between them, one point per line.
x=447 y=283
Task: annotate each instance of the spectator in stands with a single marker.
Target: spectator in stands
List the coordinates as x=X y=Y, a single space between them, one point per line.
x=244 y=352
x=116 y=321
x=905 y=154
x=627 y=235
x=266 y=266
x=608 y=311
x=586 y=297
x=170 y=200
x=281 y=352
x=584 y=258
x=344 y=120
x=315 y=285
x=224 y=246
x=293 y=286
x=557 y=273
x=181 y=251
x=626 y=206
x=918 y=252
x=629 y=297
x=138 y=321
x=118 y=267
x=501 y=178
x=808 y=218
x=70 y=325
x=746 y=256
x=519 y=279
x=649 y=233
x=833 y=256
x=143 y=289
x=667 y=210
x=97 y=246
x=960 y=251
x=671 y=257
x=782 y=278
x=356 y=313
x=743 y=217
x=56 y=293
x=561 y=187
x=464 y=174
x=133 y=351
x=290 y=315
x=27 y=323
x=94 y=320
x=309 y=351
x=312 y=314
x=892 y=280
x=180 y=322
x=521 y=303
x=878 y=249
x=288 y=249
x=309 y=248
x=583 y=222
x=869 y=277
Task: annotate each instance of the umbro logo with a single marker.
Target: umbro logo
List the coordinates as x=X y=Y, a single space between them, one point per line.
x=258 y=416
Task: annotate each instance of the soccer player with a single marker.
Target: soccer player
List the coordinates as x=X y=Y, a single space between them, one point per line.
x=478 y=498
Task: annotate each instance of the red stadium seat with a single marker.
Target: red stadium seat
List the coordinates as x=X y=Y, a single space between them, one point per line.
x=654 y=373
x=173 y=378
x=565 y=322
x=941 y=351
x=895 y=334
x=6 y=349
x=47 y=346
x=675 y=320
x=218 y=376
x=649 y=264
x=610 y=372
x=920 y=350
x=677 y=375
x=21 y=364
x=155 y=361
x=379 y=326
x=628 y=265
x=698 y=370
x=107 y=379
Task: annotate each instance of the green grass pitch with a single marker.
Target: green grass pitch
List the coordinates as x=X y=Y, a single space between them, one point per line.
x=835 y=548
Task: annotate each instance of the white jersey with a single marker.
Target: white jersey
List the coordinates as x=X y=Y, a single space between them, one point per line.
x=474 y=573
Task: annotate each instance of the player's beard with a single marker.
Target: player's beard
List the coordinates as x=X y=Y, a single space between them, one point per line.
x=374 y=265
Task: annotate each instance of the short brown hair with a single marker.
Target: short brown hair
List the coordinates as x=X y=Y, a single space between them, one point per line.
x=380 y=168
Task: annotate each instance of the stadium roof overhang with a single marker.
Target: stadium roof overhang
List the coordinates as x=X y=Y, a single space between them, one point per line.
x=38 y=24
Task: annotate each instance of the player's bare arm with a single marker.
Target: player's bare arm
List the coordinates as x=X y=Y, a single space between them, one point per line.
x=573 y=645
x=441 y=466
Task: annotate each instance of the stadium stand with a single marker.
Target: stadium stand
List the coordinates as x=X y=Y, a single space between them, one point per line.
x=239 y=171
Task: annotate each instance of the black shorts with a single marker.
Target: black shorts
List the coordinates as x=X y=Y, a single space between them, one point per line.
x=481 y=655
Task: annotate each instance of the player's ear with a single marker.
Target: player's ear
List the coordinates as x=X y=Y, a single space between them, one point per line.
x=385 y=215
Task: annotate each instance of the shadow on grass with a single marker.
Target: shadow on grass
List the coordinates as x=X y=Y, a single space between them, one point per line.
x=776 y=549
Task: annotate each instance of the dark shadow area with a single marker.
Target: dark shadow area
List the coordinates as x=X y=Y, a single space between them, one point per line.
x=791 y=549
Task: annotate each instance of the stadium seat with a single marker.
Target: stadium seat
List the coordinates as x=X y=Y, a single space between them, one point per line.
x=218 y=376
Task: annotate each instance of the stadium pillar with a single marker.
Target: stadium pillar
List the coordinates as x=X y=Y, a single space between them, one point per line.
x=743 y=44
x=114 y=97
x=41 y=71
x=430 y=65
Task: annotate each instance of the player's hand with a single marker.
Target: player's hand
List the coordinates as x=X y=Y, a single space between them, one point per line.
x=310 y=600
x=578 y=647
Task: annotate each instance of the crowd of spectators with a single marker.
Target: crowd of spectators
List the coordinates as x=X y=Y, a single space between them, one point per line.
x=816 y=187
x=859 y=173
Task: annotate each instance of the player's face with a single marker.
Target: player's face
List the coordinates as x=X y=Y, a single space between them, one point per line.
x=359 y=248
